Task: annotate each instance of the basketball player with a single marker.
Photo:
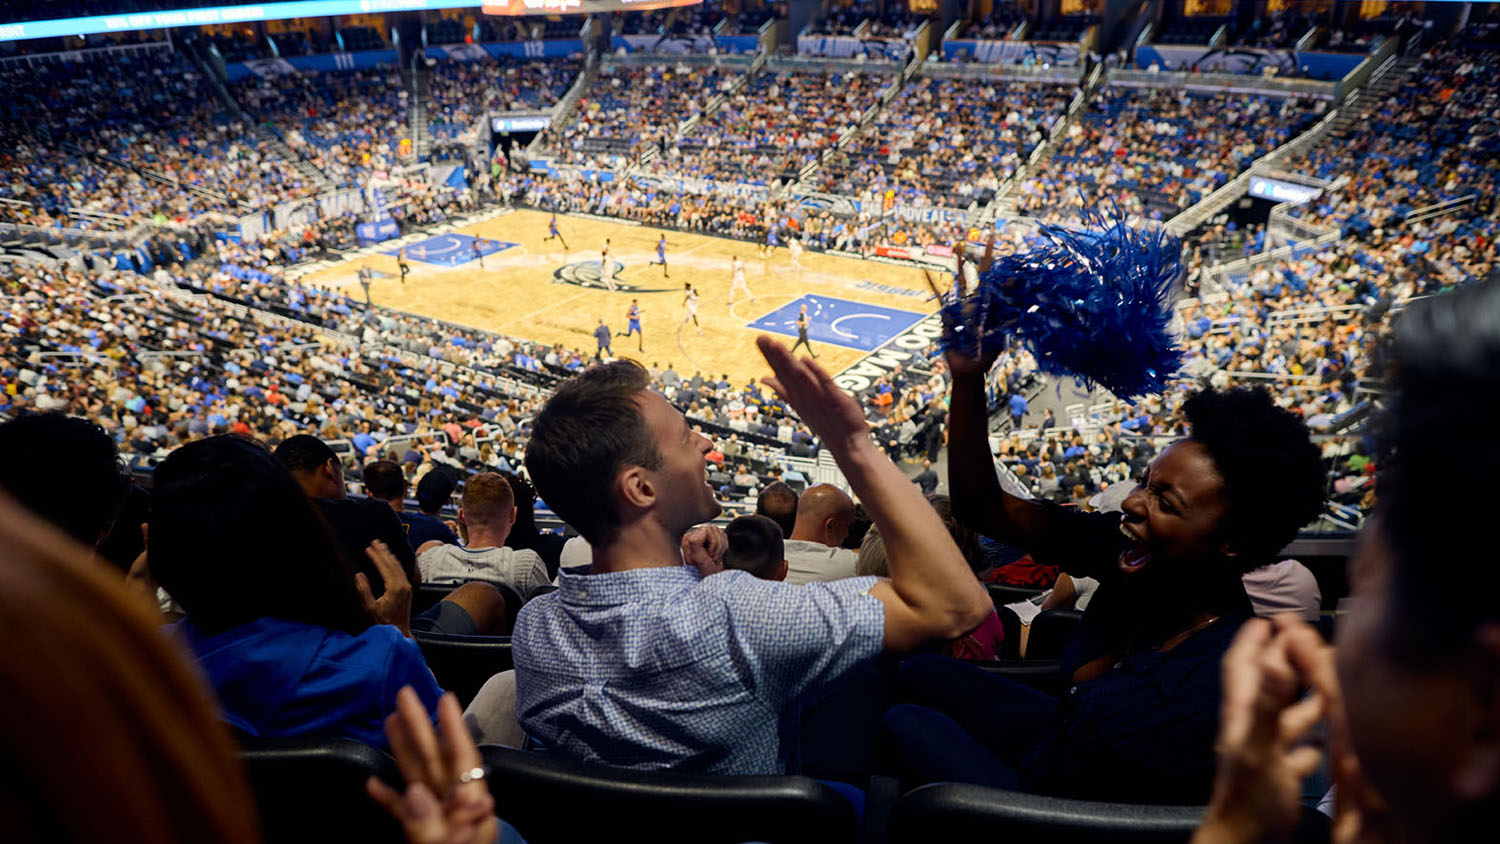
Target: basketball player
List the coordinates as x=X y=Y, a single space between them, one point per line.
x=478 y=249
x=772 y=241
x=737 y=280
x=690 y=302
x=401 y=262
x=661 y=255
x=633 y=323
x=607 y=268
x=802 y=322
x=794 y=243
x=553 y=232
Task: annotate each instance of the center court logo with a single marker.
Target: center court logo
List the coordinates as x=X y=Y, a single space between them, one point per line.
x=586 y=274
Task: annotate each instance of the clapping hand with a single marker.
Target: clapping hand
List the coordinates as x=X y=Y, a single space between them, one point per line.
x=394 y=605
x=1263 y=747
x=447 y=800
x=830 y=412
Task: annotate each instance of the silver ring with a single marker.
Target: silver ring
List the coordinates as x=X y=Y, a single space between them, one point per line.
x=471 y=775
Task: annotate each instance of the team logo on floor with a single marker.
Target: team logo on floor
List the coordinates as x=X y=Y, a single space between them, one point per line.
x=586 y=274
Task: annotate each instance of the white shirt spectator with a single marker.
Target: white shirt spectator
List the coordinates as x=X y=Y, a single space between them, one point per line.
x=522 y=571
x=1287 y=586
x=811 y=562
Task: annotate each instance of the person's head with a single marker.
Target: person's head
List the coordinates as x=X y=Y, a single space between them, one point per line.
x=108 y=735
x=966 y=539
x=1417 y=658
x=66 y=470
x=824 y=513
x=434 y=491
x=233 y=539
x=315 y=466
x=1234 y=492
x=385 y=480
x=778 y=502
x=756 y=546
x=488 y=507
x=608 y=454
x=872 y=557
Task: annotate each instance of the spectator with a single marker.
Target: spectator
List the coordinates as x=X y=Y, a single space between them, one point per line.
x=814 y=552
x=86 y=672
x=277 y=622
x=927 y=479
x=756 y=546
x=637 y=517
x=1213 y=506
x=66 y=470
x=1411 y=645
x=778 y=502
x=485 y=519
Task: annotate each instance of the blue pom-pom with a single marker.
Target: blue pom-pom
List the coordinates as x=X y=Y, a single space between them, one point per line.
x=1090 y=304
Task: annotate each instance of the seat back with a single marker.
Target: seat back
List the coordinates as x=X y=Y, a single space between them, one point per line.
x=550 y=799
x=1002 y=594
x=1050 y=632
x=313 y=789
x=954 y=812
x=425 y=596
x=462 y=664
x=1044 y=675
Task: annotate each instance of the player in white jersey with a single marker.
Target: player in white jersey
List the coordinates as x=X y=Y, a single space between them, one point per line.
x=794 y=243
x=737 y=280
x=607 y=268
x=690 y=304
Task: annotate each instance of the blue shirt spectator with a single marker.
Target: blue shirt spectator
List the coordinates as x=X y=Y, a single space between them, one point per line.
x=704 y=671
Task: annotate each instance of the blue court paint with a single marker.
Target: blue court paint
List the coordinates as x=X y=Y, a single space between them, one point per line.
x=450 y=250
x=854 y=325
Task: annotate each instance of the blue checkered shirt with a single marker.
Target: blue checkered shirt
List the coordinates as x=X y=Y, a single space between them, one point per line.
x=656 y=668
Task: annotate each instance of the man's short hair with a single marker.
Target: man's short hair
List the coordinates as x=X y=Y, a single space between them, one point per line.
x=583 y=437
x=488 y=499
x=66 y=470
x=304 y=453
x=385 y=480
x=434 y=490
x=755 y=546
x=778 y=502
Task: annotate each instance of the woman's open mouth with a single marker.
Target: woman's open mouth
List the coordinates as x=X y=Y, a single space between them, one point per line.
x=1137 y=556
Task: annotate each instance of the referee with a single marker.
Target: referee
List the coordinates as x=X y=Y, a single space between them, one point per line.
x=401 y=262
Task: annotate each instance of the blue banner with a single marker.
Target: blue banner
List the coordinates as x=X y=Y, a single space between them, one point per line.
x=738 y=43
x=456 y=178
x=368 y=233
x=559 y=49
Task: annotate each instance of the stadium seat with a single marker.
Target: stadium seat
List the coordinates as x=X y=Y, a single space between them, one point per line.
x=1050 y=632
x=1002 y=594
x=1044 y=675
x=313 y=789
x=550 y=799
x=462 y=664
x=956 y=812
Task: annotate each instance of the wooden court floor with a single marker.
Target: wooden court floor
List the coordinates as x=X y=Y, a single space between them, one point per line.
x=539 y=290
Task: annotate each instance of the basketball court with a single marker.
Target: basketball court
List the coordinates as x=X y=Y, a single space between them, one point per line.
x=534 y=288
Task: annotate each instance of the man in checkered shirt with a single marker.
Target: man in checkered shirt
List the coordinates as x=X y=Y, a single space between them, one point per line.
x=646 y=662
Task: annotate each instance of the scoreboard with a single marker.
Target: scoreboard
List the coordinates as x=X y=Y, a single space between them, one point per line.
x=577 y=7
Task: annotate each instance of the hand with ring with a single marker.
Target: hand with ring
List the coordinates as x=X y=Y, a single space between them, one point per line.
x=447 y=800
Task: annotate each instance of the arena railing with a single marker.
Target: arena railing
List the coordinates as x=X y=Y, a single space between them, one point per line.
x=1376 y=64
x=564 y=108
x=1443 y=209
x=31 y=59
x=1007 y=72
x=1225 y=83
